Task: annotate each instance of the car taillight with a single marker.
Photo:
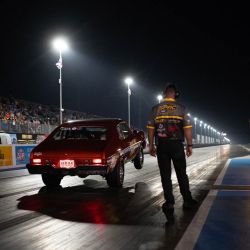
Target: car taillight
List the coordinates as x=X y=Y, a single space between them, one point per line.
x=37 y=161
x=97 y=161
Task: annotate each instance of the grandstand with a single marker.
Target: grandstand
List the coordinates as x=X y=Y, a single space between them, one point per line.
x=21 y=116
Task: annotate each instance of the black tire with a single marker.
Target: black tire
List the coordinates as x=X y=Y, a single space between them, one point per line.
x=51 y=181
x=139 y=159
x=116 y=177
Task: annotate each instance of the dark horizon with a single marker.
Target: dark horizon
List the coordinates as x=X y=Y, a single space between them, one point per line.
x=203 y=49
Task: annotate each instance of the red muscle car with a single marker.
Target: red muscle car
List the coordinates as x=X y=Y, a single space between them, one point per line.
x=88 y=147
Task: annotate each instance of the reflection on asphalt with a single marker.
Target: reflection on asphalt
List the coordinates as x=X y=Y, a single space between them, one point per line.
x=85 y=203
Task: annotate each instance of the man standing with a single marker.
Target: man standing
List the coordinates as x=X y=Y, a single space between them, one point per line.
x=168 y=125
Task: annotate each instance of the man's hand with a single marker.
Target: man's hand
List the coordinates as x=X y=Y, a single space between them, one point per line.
x=189 y=151
x=152 y=150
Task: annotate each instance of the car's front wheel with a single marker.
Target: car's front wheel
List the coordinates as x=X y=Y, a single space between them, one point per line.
x=116 y=177
x=139 y=159
x=51 y=181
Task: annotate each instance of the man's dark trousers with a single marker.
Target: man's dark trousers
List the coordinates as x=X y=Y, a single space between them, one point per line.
x=168 y=150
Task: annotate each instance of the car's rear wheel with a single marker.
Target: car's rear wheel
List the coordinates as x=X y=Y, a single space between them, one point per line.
x=51 y=180
x=116 y=177
x=139 y=159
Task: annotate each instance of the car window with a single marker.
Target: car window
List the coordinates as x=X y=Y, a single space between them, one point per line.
x=81 y=132
x=123 y=130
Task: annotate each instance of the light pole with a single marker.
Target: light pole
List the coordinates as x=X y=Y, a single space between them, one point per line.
x=201 y=130
x=159 y=97
x=219 y=138
x=129 y=81
x=60 y=45
x=205 y=137
x=212 y=134
x=223 y=134
x=208 y=132
x=195 y=120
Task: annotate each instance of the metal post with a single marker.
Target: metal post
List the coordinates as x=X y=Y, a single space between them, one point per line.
x=207 y=135
x=129 y=93
x=60 y=83
x=201 y=134
x=205 y=139
x=195 y=131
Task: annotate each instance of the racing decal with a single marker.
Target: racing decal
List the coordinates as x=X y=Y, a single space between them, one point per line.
x=130 y=148
x=161 y=128
x=113 y=159
x=167 y=107
x=171 y=130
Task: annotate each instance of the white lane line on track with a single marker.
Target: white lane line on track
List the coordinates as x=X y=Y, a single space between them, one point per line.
x=247 y=149
x=222 y=173
x=193 y=231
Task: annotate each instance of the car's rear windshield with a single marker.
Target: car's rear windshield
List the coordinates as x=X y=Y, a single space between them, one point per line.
x=81 y=132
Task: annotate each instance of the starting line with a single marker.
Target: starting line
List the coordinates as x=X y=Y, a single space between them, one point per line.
x=223 y=219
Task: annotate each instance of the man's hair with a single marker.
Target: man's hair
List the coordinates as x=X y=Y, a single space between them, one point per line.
x=170 y=88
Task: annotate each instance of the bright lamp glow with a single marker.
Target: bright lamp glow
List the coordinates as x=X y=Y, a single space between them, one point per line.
x=159 y=97
x=128 y=80
x=60 y=44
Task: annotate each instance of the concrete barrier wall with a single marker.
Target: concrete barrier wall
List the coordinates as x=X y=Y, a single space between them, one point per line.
x=14 y=156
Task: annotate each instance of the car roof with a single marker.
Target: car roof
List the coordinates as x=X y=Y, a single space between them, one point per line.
x=94 y=121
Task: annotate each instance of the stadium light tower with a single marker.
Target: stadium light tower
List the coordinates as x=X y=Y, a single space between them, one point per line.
x=159 y=97
x=60 y=45
x=129 y=81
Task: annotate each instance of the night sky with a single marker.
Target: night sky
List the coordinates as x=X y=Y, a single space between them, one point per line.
x=203 y=49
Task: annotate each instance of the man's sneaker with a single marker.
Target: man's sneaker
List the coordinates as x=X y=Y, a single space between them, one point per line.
x=190 y=204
